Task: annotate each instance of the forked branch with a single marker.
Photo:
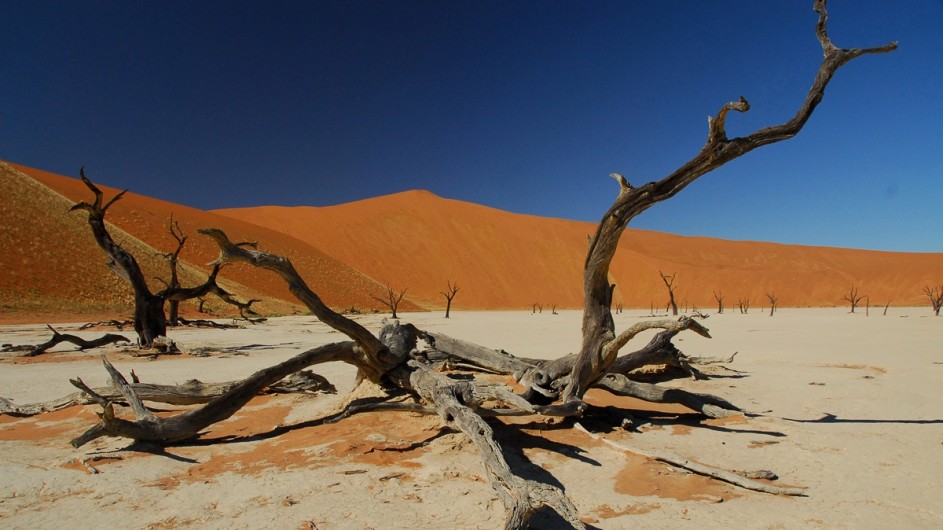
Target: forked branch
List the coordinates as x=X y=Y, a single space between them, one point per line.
x=718 y=150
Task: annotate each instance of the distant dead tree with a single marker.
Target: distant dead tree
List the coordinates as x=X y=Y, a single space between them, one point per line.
x=619 y=308
x=392 y=299
x=853 y=298
x=553 y=310
x=537 y=308
x=888 y=305
x=744 y=304
x=449 y=294
x=670 y=284
x=173 y=259
x=936 y=298
x=773 y=300
x=719 y=296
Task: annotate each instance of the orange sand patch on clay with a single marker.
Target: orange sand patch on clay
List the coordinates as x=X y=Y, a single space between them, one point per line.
x=643 y=477
x=51 y=426
x=384 y=439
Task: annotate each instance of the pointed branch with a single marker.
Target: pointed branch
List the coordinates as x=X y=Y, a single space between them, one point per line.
x=376 y=353
x=597 y=318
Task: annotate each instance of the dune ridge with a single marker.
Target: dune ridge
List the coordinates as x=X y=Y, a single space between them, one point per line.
x=505 y=260
x=415 y=240
x=70 y=276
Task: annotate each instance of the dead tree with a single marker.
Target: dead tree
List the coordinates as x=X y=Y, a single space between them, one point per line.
x=853 y=298
x=173 y=259
x=670 y=284
x=537 y=308
x=392 y=299
x=936 y=298
x=449 y=294
x=744 y=305
x=773 y=300
x=396 y=360
x=150 y=320
x=719 y=296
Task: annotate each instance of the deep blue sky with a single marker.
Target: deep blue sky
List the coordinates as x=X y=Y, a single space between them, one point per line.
x=521 y=105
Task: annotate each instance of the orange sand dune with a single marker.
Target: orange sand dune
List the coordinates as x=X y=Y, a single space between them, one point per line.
x=52 y=260
x=501 y=260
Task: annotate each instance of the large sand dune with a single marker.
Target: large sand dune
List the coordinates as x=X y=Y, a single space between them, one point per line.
x=504 y=260
x=51 y=251
x=415 y=240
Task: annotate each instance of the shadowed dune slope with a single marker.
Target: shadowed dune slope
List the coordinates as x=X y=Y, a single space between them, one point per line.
x=53 y=265
x=503 y=260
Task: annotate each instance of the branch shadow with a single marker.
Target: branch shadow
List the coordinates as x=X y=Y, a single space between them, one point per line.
x=831 y=418
x=154 y=449
x=609 y=418
x=514 y=440
x=201 y=441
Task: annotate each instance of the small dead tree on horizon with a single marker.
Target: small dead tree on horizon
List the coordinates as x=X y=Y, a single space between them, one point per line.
x=936 y=298
x=392 y=299
x=670 y=284
x=449 y=294
x=744 y=304
x=853 y=298
x=773 y=300
x=719 y=296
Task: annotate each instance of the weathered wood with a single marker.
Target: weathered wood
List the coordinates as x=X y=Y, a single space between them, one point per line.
x=452 y=401
x=192 y=392
x=58 y=338
x=708 y=405
x=189 y=424
x=598 y=327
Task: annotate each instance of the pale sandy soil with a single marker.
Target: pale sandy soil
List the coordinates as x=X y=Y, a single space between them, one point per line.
x=875 y=462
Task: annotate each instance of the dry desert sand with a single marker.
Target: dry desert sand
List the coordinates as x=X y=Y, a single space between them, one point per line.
x=850 y=409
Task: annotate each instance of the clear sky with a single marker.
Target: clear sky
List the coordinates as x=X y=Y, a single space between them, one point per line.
x=525 y=106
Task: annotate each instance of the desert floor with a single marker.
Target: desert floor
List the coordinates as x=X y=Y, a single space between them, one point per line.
x=850 y=408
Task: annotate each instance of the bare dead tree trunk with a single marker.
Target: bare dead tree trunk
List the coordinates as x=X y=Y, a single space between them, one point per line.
x=720 y=302
x=853 y=298
x=744 y=304
x=392 y=299
x=598 y=326
x=150 y=321
x=173 y=260
x=936 y=298
x=773 y=300
x=449 y=294
x=669 y=283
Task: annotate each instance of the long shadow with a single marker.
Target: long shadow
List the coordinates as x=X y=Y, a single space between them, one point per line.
x=156 y=450
x=609 y=419
x=831 y=418
x=283 y=429
x=513 y=440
